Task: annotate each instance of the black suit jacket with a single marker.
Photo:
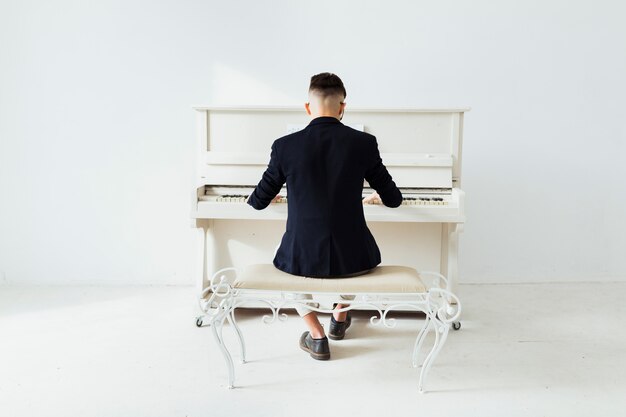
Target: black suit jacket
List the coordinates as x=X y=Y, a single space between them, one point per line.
x=324 y=166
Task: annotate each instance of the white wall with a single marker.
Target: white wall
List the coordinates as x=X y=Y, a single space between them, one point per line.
x=97 y=131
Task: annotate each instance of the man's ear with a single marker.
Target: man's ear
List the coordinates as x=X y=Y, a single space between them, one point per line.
x=342 y=109
x=307 y=108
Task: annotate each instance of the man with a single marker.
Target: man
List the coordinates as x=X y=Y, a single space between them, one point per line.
x=324 y=166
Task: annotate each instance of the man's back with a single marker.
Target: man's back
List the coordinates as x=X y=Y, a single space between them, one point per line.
x=324 y=166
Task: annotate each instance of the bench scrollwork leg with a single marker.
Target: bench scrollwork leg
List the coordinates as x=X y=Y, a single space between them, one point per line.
x=438 y=314
x=419 y=342
x=216 y=326
x=219 y=307
x=242 y=344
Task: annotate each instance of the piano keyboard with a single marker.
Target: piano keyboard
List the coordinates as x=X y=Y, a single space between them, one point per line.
x=406 y=201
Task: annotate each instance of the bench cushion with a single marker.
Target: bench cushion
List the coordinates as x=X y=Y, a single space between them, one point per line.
x=383 y=279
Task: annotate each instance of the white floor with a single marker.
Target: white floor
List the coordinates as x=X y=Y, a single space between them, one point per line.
x=524 y=350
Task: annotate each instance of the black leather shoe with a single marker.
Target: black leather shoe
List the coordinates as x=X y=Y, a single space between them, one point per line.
x=317 y=348
x=337 y=329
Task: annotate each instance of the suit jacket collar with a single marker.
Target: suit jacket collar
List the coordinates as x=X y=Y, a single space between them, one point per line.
x=324 y=119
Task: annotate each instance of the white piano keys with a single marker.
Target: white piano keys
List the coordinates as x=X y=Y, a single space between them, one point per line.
x=220 y=202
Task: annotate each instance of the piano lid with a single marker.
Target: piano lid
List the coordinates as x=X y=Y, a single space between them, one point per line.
x=421 y=147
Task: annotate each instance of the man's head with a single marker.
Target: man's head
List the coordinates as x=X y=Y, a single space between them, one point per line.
x=326 y=96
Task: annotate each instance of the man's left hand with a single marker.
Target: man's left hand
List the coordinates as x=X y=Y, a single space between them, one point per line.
x=373 y=198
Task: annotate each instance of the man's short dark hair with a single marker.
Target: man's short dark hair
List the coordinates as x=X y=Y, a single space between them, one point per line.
x=327 y=84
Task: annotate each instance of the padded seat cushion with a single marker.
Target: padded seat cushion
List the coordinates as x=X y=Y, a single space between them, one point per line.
x=383 y=279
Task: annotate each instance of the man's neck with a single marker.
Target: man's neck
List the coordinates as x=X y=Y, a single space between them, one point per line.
x=324 y=114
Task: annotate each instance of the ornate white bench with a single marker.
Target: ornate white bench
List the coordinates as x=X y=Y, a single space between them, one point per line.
x=384 y=289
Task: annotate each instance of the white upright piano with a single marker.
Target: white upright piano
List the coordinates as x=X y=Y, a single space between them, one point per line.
x=420 y=147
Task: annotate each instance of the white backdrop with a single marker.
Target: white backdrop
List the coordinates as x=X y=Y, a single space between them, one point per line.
x=97 y=130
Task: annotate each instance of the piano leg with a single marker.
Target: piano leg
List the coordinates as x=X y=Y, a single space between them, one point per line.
x=200 y=267
x=205 y=258
x=450 y=258
x=205 y=255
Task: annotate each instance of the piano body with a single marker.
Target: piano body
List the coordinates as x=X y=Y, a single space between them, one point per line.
x=420 y=147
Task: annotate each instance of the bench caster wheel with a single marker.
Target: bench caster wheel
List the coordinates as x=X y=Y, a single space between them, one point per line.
x=199 y=322
x=456 y=325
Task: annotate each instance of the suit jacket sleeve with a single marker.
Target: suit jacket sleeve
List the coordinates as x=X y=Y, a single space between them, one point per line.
x=270 y=184
x=379 y=179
